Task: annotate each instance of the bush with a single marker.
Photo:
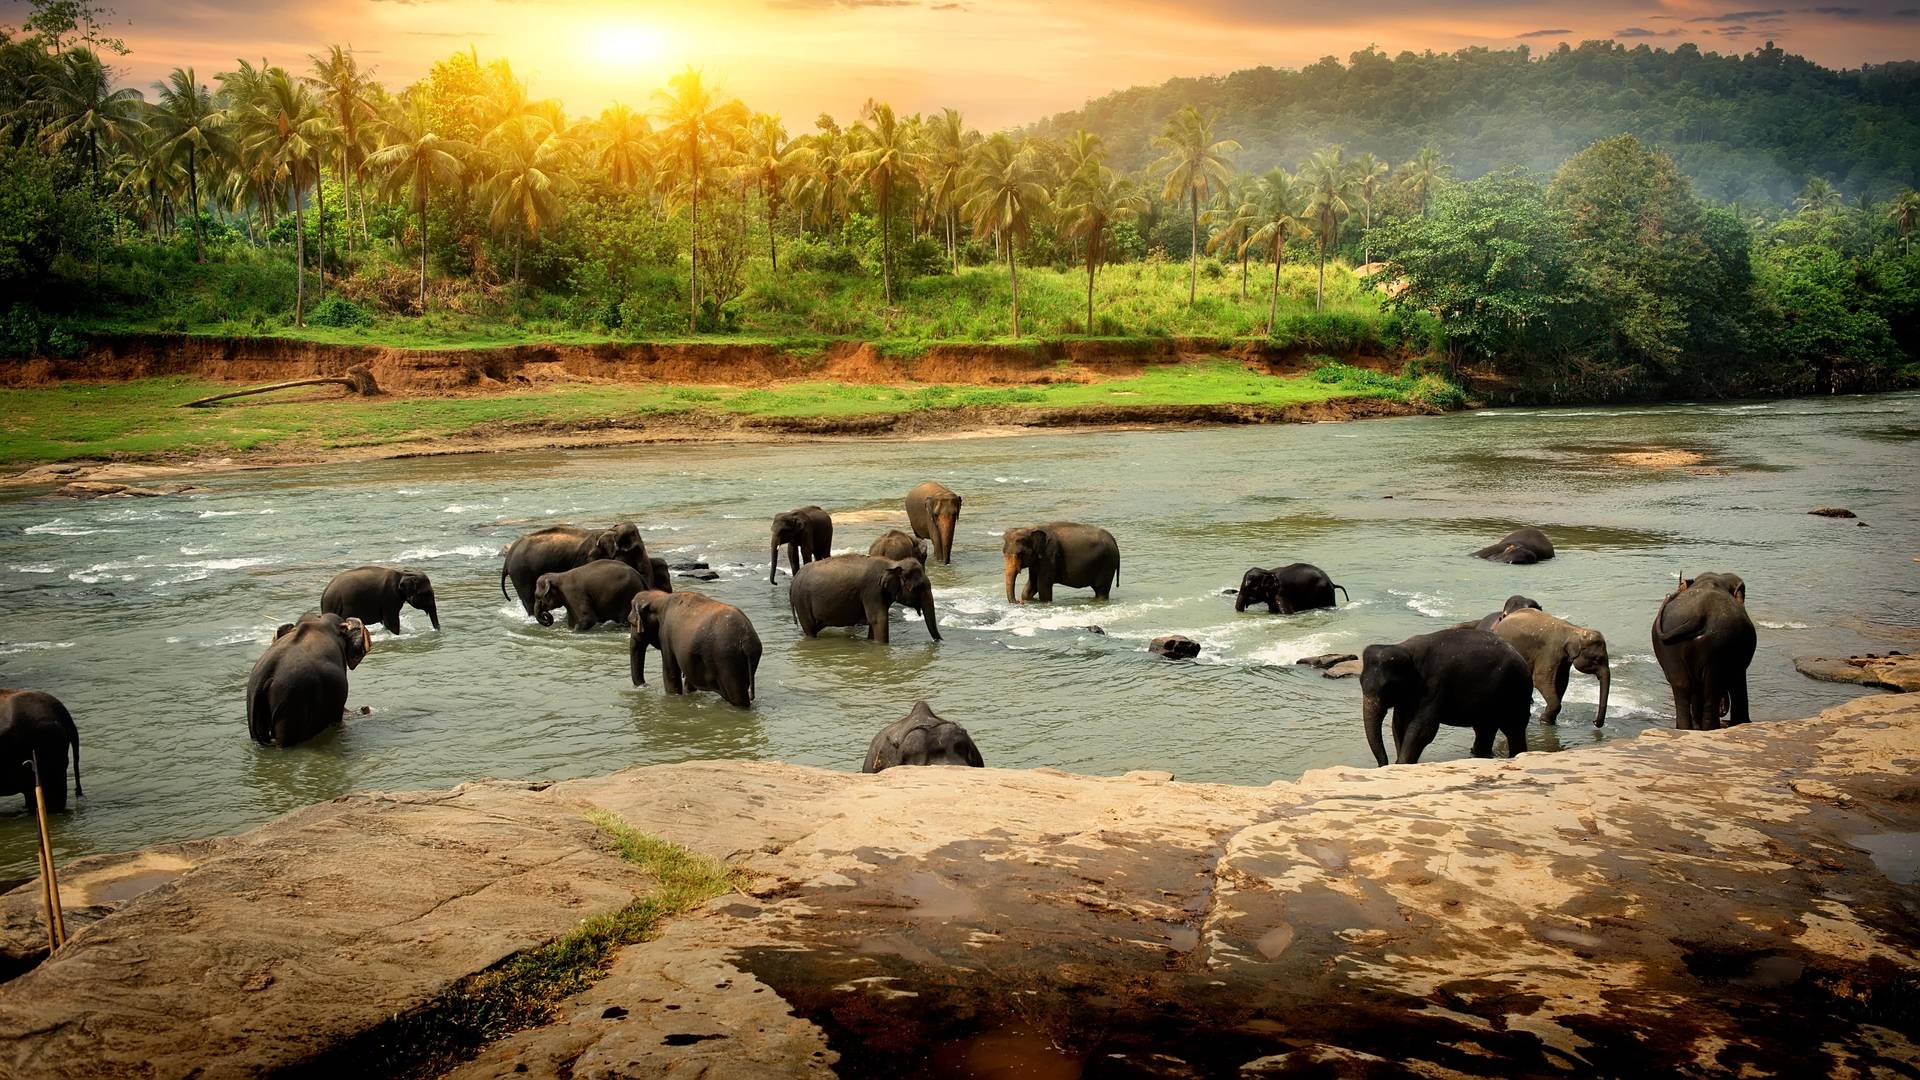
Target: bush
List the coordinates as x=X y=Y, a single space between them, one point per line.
x=337 y=310
x=808 y=253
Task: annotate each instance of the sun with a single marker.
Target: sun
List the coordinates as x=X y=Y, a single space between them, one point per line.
x=629 y=44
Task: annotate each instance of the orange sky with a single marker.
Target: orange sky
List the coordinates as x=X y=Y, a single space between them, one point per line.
x=1000 y=61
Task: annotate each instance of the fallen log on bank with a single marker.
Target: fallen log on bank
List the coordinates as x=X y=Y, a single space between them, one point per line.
x=357 y=379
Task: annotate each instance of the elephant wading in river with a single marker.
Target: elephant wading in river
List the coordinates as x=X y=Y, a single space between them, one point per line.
x=299 y=685
x=1463 y=678
x=600 y=592
x=1521 y=546
x=808 y=534
x=564 y=547
x=375 y=594
x=1061 y=553
x=1704 y=641
x=1287 y=589
x=894 y=544
x=921 y=737
x=1514 y=603
x=1552 y=647
x=856 y=590
x=704 y=644
x=932 y=511
x=35 y=732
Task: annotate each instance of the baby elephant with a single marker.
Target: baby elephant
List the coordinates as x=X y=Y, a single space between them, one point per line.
x=299 y=685
x=808 y=534
x=921 y=738
x=1704 y=641
x=704 y=644
x=1287 y=589
x=1519 y=547
x=894 y=544
x=600 y=592
x=1551 y=647
x=375 y=594
x=35 y=731
x=859 y=590
x=1465 y=678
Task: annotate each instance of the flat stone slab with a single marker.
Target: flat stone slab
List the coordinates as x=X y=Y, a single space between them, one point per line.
x=1326 y=660
x=1899 y=672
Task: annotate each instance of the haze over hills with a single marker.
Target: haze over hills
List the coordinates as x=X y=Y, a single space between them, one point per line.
x=1748 y=128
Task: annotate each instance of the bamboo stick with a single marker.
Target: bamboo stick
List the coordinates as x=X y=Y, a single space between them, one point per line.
x=50 y=882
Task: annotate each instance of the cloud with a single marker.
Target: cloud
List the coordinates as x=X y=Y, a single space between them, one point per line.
x=1737 y=16
x=1641 y=31
x=949 y=7
x=822 y=5
x=1836 y=12
x=1544 y=33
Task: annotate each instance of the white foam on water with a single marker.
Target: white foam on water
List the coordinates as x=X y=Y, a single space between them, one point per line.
x=60 y=527
x=1781 y=625
x=466 y=551
x=1282 y=653
x=236 y=513
x=258 y=634
x=100 y=572
x=1425 y=603
x=202 y=569
x=1017 y=480
x=34 y=568
x=195 y=551
x=14 y=647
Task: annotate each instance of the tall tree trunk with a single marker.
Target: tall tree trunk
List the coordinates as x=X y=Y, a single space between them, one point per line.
x=1366 y=248
x=1090 y=250
x=423 y=245
x=1243 y=274
x=320 y=203
x=886 y=243
x=299 y=257
x=1193 y=250
x=773 y=247
x=953 y=242
x=1320 y=287
x=693 y=250
x=1273 y=299
x=193 y=196
x=1013 y=269
x=346 y=200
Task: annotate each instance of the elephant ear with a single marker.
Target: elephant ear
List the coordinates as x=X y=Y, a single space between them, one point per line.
x=358 y=641
x=1047 y=545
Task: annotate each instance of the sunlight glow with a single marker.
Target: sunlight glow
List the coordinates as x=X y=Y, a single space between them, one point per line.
x=629 y=44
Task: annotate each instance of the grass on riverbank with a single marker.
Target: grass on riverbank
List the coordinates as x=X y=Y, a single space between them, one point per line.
x=523 y=990
x=141 y=419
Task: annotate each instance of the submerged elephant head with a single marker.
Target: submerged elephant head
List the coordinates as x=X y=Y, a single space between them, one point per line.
x=546 y=597
x=1389 y=678
x=417 y=590
x=623 y=544
x=643 y=631
x=1034 y=550
x=906 y=583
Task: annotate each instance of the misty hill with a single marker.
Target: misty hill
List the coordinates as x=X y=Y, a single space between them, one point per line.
x=1748 y=128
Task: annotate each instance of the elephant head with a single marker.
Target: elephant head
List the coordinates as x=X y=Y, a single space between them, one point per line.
x=621 y=543
x=1389 y=679
x=355 y=642
x=643 y=631
x=1731 y=584
x=791 y=528
x=1257 y=586
x=1587 y=650
x=417 y=590
x=906 y=583
x=546 y=597
x=943 y=512
x=1036 y=550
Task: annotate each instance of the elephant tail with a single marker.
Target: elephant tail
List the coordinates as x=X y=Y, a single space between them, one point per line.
x=503 y=580
x=1686 y=628
x=1344 y=598
x=73 y=736
x=260 y=712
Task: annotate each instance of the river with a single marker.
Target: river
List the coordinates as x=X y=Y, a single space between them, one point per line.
x=146 y=616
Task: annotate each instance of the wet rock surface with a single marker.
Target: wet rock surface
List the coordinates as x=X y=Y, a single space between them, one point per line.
x=105 y=489
x=1327 y=660
x=1174 y=647
x=1899 y=672
x=1700 y=902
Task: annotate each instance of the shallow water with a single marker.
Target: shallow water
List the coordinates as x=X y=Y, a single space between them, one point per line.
x=146 y=616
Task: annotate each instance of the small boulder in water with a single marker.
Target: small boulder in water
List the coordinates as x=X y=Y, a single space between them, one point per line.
x=1345 y=669
x=103 y=489
x=1091 y=629
x=1832 y=512
x=700 y=575
x=1326 y=660
x=1174 y=647
x=689 y=566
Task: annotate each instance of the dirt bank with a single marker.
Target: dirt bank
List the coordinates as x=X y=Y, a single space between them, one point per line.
x=1735 y=902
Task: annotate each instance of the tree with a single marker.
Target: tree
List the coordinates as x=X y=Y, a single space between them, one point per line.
x=1094 y=199
x=1228 y=221
x=1904 y=212
x=1819 y=197
x=943 y=163
x=414 y=160
x=696 y=124
x=347 y=96
x=527 y=163
x=772 y=163
x=186 y=125
x=1004 y=194
x=1192 y=163
x=1278 y=211
x=1330 y=186
x=1368 y=171
x=84 y=109
x=886 y=157
x=621 y=136
x=285 y=129
x=1423 y=175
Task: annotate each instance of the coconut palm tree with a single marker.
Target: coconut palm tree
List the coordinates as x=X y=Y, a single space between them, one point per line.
x=1004 y=193
x=622 y=137
x=526 y=164
x=1093 y=200
x=772 y=163
x=83 y=109
x=346 y=94
x=697 y=124
x=1279 y=205
x=186 y=124
x=283 y=127
x=1368 y=172
x=1192 y=163
x=1819 y=197
x=1228 y=221
x=948 y=143
x=1904 y=212
x=1330 y=187
x=1423 y=174
x=885 y=158
x=412 y=162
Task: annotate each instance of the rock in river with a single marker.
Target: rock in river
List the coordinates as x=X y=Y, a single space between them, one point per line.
x=1894 y=671
x=1174 y=647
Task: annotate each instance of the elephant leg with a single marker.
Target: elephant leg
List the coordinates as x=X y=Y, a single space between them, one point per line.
x=1737 y=700
x=1419 y=732
x=1516 y=733
x=793 y=557
x=1682 y=714
x=670 y=673
x=53 y=777
x=392 y=622
x=1553 y=690
x=1286 y=607
x=877 y=625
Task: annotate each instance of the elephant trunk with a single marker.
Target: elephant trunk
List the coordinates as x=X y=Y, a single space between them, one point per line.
x=773 y=568
x=543 y=616
x=924 y=598
x=1372 y=712
x=943 y=537
x=637 y=659
x=433 y=612
x=1605 y=675
x=1013 y=571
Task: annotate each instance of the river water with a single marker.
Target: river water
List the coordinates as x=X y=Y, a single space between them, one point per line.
x=146 y=616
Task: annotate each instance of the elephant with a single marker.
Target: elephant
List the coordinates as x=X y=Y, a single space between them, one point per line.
x=1519 y=547
x=1464 y=678
x=894 y=544
x=564 y=547
x=375 y=594
x=704 y=644
x=600 y=592
x=1286 y=589
x=932 y=511
x=1551 y=647
x=1061 y=553
x=1704 y=641
x=852 y=590
x=299 y=685
x=1514 y=603
x=808 y=534
x=921 y=737
x=35 y=732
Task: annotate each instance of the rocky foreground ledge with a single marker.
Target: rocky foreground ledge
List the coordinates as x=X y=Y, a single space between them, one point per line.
x=1713 y=902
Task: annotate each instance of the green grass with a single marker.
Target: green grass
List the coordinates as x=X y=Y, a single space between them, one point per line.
x=142 y=418
x=523 y=990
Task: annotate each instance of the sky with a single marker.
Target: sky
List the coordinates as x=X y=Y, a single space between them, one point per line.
x=1001 y=62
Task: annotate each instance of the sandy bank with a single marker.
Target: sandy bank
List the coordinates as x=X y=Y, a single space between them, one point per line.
x=1714 y=902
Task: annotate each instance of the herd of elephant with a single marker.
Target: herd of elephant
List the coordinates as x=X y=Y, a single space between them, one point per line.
x=1479 y=675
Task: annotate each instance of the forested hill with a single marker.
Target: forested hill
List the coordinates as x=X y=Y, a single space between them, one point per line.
x=1748 y=128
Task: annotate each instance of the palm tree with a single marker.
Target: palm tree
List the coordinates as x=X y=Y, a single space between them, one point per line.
x=1193 y=162
x=284 y=129
x=622 y=135
x=1003 y=195
x=1818 y=198
x=186 y=124
x=773 y=162
x=1279 y=206
x=1330 y=185
x=1368 y=171
x=1229 y=220
x=346 y=94
x=526 y=180
x=1904 y=212
x=414 y=159
x=1423 y=174
x=696 y=123
x=943 y=165
x=83 y=107
x=885 y=159
x=1094 y=199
